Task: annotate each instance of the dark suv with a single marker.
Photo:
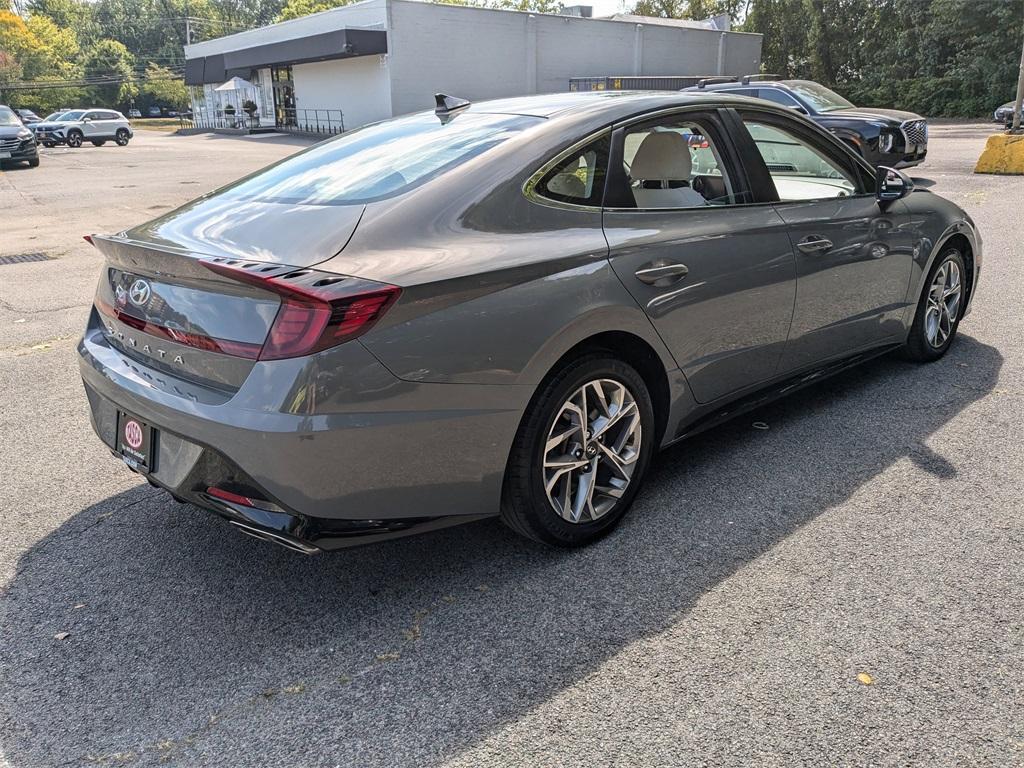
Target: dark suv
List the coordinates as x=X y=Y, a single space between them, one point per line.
x=17 y=144
x=881 y=136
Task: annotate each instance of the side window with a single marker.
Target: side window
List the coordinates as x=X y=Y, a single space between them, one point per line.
x=93 y=116
x=579 y=177
x=779 y=97
x=676 y=163
x=800 y=170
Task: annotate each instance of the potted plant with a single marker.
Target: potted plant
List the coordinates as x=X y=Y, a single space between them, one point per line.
x=249 y=107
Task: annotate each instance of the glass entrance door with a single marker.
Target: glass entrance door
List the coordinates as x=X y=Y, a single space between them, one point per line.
x=284 y=95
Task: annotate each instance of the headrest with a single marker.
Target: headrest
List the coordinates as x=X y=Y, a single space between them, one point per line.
x=662 y=156
x=567 y=185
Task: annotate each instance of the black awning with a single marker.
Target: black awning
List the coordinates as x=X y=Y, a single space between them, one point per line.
x=339 y=44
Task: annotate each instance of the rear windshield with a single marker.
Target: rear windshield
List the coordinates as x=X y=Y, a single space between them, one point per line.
x=379 y=161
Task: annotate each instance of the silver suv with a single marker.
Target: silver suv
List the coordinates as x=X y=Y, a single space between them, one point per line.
x=80 y=125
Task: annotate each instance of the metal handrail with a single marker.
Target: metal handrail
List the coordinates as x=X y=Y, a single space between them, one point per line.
x=319 y=121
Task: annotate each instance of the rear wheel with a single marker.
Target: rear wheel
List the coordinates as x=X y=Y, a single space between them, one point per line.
x=580 y=454
x=74 y=139
x=122 y=137
x=939 y=310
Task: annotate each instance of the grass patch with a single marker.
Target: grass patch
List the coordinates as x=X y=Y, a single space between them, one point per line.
x=157 y=123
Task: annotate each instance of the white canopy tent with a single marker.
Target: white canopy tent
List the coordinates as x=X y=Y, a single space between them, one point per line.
x=235 y=92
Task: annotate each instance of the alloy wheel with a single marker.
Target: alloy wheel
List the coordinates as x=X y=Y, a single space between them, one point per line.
x=591 y=450
x=943 y=303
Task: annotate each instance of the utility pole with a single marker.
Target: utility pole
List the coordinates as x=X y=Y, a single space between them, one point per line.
x=188 y=31
x=1020 y=95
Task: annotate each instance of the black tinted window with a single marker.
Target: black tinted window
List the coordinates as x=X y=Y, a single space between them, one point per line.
x=779 y=97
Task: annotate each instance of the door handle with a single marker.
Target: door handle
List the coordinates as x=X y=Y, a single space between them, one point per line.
x=661 y=274
x=814 y=243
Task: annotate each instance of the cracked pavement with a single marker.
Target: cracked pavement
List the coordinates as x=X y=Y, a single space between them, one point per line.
x=843 y=588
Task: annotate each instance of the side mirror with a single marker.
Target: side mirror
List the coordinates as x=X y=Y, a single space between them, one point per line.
x=798 y=108
x=891 y=185
x=86 y=119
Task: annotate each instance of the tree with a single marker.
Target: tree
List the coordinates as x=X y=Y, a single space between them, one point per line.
x=18 y=42
x=76 y=16
x=163 y=87
x=109 y=65
x=294 y=9
x=692 y=9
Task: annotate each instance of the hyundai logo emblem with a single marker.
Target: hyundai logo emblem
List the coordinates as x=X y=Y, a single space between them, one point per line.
x=139 y=293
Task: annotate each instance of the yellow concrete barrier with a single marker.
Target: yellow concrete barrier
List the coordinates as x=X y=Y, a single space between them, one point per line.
x=1003 y=154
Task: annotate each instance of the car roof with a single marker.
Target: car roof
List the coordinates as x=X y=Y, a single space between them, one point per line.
x=610 y=106
x=787 y=84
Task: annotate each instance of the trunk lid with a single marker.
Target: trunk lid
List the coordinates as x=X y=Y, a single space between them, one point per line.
x=160 y=305
x=237 y=228
x=166 y=310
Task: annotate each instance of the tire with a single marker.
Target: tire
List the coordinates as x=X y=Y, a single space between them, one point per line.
x=939 y=310
x=99 y=143
x=122 y=137
x=49 y=144
x=526 y=507
x=74 y=139
x=34 y=163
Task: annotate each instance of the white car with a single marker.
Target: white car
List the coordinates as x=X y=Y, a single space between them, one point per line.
x=80 y=125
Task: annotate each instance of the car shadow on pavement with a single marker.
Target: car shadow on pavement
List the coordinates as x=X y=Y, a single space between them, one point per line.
x=191 y=644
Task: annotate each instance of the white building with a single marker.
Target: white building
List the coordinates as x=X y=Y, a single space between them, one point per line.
x=379 y=58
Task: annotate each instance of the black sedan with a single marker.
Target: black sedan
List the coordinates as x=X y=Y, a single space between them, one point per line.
x=28 y=116
x=17 y=144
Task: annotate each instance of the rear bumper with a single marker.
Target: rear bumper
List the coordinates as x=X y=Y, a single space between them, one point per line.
x=375 y=458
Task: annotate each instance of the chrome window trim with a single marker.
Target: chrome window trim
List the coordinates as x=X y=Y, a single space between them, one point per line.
x=530 y=185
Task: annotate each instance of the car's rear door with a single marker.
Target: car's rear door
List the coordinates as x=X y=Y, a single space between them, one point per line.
x=853 y=258
x=108 y=124
x=92 y=125
x=715 y=275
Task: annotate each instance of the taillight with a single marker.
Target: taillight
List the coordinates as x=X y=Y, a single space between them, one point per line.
x=318 y=310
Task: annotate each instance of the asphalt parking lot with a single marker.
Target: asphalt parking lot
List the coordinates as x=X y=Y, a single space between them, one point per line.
x=843 y=588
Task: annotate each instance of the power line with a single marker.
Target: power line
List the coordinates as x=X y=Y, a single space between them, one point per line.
x=48 y=85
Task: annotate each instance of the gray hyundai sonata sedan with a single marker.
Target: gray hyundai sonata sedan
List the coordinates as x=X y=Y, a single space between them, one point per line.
x=504 y=308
